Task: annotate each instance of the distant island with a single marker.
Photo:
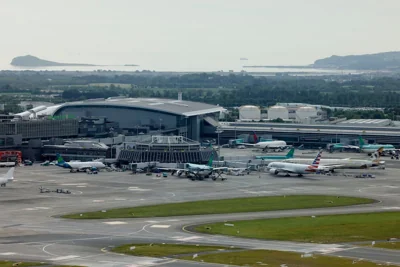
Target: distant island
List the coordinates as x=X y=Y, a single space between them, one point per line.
x=32 y=61
x=131 y=65
x=378 y=61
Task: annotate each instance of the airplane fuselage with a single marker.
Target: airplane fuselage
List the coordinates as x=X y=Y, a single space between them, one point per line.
x=82 y=165
x=373 y=148
x=285 y=167
x=347 y=163
x=270 y=144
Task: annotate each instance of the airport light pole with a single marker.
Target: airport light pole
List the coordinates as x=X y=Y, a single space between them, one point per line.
x=219 y=131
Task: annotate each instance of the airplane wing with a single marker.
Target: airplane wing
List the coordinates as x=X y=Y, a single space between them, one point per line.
x=221 y=169
x=331 y=166
x=285 y=170
x=85 y=167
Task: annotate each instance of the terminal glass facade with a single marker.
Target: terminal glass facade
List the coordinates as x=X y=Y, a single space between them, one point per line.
x=128 y=118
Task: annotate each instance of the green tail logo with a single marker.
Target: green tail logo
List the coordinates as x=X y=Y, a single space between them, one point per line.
x=59 y=159
x=210 y=161
x=290 y=154
x=361 y=141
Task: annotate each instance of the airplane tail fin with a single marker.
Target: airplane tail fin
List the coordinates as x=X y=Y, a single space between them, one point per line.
x=60 y=160
x=10 y=174
x=317 y=159
x=290 y=154
x=361 y=141
x=210 y=160
x=377 y=154
x=255 y=137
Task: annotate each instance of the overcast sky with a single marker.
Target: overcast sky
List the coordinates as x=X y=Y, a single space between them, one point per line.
x=196 y=32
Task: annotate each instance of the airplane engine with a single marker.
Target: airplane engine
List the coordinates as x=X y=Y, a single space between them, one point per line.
x=273 y=171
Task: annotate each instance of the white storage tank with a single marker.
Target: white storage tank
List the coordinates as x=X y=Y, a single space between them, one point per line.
x=278 y=112
x=304 y=113
x=249 y=113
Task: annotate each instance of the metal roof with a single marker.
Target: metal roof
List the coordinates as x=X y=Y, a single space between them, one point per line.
x=365 y=121
x=173 y=106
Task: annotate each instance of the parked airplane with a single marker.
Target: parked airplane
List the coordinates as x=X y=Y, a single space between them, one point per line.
x=79 y=166
x=265 y=145
x=289 y=155
x=340 y=146
x=346 y=163
x=367 y=148
x=198 y=171
x=8 y=177
x=296 y=168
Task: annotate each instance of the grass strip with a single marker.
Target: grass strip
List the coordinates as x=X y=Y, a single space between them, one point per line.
x=29 y=264
x=320 y=229
x=19 y=264
x=272 y=258
x=387 y=245
x=164 y=250
x=222 y=206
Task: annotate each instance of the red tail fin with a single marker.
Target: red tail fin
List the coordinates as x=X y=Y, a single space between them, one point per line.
x=255 y=137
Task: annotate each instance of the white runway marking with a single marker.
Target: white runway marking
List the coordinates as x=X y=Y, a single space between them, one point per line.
x=391 y=208
x=8 y=253
x=37 y=208
x=98 y=200
x=189 y=238
x=75 y=184
x=152 y=221
x=160 y=226
x=135 y=188
x=64 y=258
x=332 y=250
x=115 y=223
x=81 y=186
x=119 y=199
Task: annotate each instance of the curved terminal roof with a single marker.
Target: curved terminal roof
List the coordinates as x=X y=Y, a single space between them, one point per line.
x=172 y=106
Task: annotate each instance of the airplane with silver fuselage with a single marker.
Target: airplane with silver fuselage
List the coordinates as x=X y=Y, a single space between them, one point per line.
x=297 y=168
x=266 y=145
x=79 y=166
x=346 y=163
x=198 y=171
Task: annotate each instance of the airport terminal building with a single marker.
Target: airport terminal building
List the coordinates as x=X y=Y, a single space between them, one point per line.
x=147 y=115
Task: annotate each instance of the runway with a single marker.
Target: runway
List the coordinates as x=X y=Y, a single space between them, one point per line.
x=30 y=228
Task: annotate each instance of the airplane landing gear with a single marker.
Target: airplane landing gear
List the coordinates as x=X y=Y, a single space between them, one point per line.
x=299 y=175
x=3 y=185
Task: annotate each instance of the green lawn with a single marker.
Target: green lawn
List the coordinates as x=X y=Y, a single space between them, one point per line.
x=235 y=205
x=321 y=229
x=388 y=245
x=28 y=264
x=20 y=264
x=163 y=250
x=272 y=258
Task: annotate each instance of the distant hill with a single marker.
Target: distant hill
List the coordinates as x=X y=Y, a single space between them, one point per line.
x=32 y=61
x=379 y=61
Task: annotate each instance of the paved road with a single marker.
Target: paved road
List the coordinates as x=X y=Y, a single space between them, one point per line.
x=29 y=232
